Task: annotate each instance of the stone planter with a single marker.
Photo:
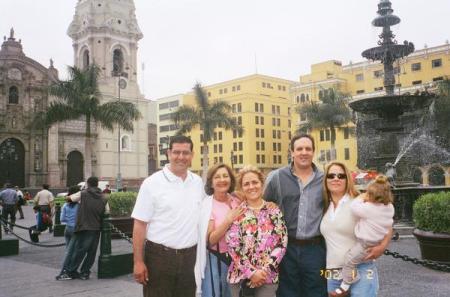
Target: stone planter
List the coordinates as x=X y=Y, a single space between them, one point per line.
x=434 y=246
x=124 y=224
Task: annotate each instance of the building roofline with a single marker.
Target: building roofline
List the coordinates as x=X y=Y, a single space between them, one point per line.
x=417 y=53
x=249 y=77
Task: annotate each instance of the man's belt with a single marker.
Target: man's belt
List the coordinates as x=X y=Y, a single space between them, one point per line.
x=309 y=241
x=159 y=247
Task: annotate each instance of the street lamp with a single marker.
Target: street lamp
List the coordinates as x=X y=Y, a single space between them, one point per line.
x=163 y=150
x=8 y=153
x=122 y=84
x=232 y=159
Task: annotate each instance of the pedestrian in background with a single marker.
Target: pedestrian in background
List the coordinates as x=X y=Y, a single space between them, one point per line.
x=83 y=245
x=8 y=200
x=20 y=202
x=44 y=199
x=69 y=215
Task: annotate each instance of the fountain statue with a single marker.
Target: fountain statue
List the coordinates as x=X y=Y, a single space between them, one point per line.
x=390 y=173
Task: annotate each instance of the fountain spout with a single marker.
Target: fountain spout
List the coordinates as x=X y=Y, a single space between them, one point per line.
x=391 y=173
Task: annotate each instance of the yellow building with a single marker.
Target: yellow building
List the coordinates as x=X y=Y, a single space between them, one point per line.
x=262 y=105
x=422 y=69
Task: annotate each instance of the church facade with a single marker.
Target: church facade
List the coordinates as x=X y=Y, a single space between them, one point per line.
x=105 y=33
x=23 y=82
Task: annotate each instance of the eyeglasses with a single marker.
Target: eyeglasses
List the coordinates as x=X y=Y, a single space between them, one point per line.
x=181 y=153
x=338 y=175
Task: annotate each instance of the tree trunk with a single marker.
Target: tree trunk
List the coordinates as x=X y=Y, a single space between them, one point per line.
x=87 y=150
x=333 y=141
x=205 y=161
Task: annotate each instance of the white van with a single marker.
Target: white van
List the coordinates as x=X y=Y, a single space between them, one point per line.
x=101 y=184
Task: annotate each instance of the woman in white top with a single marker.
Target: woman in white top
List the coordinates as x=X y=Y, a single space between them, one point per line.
x=338 y=226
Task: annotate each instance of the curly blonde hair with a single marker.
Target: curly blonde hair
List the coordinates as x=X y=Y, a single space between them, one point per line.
x=379 y=190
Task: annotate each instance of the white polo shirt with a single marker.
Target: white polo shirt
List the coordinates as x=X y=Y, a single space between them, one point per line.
x=171 y=207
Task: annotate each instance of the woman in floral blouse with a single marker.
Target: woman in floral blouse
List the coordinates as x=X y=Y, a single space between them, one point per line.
x=256 y=240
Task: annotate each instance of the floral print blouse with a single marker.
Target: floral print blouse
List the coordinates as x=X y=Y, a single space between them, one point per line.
x=256 y=240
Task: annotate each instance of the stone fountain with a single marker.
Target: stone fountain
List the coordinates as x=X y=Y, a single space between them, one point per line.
x=395 y=131
x=384 y=123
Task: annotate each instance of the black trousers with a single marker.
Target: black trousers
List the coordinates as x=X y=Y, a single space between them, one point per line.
x=9 y=210
x=171 y=272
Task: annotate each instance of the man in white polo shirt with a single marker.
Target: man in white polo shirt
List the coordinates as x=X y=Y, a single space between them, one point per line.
x=165 y=233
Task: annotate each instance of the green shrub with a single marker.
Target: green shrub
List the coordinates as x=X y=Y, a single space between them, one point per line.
x=60 y=200
x=431 y=212
x=121 y=203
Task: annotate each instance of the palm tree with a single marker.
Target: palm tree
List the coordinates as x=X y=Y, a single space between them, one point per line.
x=330 y=112
x=207 y=116
x=79 y=98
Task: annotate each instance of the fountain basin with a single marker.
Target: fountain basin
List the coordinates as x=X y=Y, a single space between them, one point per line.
x=395 y=51
x=394 y=105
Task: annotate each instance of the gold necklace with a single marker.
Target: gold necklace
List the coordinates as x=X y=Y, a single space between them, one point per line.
x=258 y=207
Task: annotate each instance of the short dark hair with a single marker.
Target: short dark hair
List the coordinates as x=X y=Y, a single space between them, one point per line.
x=92 y=182
x=209 y=178
x=181 y=139
x=73 y=190
x=303 y=135
x=8 y=185
x=45 y=186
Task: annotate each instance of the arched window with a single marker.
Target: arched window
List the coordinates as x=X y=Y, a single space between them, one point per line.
x=417 y=176
x=85 y=59
x=320 y=94
x=117 y=61
x=13 y=95
x=302 y=98
x=307 y=97
x=125 y=144
x=436 y=176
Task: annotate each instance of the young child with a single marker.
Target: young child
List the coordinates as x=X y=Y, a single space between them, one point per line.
x=69 y=215
x=374 y=211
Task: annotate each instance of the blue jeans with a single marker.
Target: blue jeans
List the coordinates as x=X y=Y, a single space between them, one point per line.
x=300 y=271
x=367 y=286
x=83 y=245
x=68 y=233
x=207 y=286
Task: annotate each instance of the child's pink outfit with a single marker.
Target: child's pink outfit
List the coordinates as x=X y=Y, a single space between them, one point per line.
x=374 y=222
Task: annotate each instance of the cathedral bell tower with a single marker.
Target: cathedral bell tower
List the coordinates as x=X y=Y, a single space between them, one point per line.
x=105 y=32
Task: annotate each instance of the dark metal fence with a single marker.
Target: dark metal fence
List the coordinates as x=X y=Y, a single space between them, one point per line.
x=404 y=199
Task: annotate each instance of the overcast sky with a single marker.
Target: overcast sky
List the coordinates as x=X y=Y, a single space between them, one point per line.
x=212 y=41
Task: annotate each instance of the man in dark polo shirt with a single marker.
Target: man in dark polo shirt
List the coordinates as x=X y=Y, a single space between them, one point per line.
x=297 y=189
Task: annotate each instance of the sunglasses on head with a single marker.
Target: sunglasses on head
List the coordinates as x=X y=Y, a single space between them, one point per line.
x=338 y=175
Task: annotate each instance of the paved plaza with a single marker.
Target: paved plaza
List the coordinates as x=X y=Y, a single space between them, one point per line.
x=32 y=272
